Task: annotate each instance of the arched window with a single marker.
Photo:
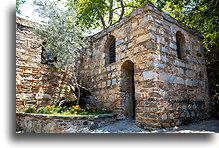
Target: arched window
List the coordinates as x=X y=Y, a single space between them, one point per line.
x=180 y=43
x=47 y=57
x=110 y=48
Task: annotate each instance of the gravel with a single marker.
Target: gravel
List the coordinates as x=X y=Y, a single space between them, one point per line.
x=128 y=126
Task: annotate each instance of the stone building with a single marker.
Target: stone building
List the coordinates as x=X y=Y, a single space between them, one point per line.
x=148 y=67
x=36 y=83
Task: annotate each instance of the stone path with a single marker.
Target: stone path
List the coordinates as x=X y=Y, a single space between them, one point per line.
x=128 y=126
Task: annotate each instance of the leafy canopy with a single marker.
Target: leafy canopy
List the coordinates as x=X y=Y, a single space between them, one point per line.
x=103 y=13
x=61 y=33
x=18 y=3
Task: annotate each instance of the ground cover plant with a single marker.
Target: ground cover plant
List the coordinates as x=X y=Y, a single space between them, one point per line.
x=72 y=110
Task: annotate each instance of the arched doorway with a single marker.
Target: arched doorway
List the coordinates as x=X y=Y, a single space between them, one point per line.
x=128 y=89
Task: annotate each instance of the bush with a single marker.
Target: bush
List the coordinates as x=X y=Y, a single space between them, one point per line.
x=30 y=110
x=216 y=101
x=73 y=110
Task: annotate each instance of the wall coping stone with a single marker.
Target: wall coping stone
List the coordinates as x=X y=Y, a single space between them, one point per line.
x=68 y=116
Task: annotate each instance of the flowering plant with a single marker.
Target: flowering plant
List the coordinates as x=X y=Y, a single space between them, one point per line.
x=73 y=110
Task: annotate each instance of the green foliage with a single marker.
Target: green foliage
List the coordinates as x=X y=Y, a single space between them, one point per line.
x=30 y=110
x=61 y=33
x=103 y=13
x=18 y=3
x=73 y=110
x=215 y=100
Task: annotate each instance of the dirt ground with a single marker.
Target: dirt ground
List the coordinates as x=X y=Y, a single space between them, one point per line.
x=128 y=126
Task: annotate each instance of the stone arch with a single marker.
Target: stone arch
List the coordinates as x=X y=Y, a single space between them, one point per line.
x=180 y=43
x=127 y=89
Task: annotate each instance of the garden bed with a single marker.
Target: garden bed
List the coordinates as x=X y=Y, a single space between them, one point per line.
x=44 y=123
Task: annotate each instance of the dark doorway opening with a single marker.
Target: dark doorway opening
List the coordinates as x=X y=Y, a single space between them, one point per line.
x=128 y=89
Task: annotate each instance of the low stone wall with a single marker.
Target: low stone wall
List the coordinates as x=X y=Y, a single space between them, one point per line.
x=41 y=123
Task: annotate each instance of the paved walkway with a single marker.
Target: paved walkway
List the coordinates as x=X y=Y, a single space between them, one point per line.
x=128 y=126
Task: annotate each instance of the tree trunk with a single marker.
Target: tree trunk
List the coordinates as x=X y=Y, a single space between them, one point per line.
x=110 y=13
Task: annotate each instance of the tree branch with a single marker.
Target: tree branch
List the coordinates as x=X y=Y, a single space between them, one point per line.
x=122 y=11
x=103 y=22
x=110 y=13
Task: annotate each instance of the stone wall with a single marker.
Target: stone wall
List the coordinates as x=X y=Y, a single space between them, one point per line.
x=148 y=81
x=168 y=91
x=40 y=123
x=36 y=83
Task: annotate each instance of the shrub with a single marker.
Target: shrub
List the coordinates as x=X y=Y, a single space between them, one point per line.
x=46 y=110
x=30 y=110
x=73 y=110
x=216 y=101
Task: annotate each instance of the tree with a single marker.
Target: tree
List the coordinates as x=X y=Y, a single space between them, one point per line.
x=103 y=13
x=62 y=38
x=18 y=3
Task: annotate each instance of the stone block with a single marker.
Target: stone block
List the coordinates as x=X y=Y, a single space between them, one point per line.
x=113 y=67
x=157 y=64
x=122 y=56
x=128 y=29
x=101 y=77
x=187 y=114
x=182 y=64
x=176 y=62
x=129 y=45
x=113 y=81
x=164 y=117
x=29 y=95
x=184 y=107
x=163 y=49
x=143 y=38
x=117 y=57
x=171 y=78
x=179 y=80
x=149 y=75
x=150 y=115
x=96 y=52
x=155 y=94
x=195 y=82
x=124 y=47
x=172 y=116
x=108 y=83
x=163 y=76
x=194 y=106
x=146 y=19
x=173 y=46
x=193 y=114
x=188 y=82
x=165 y=125
x=108 y=68
x=164 y=59
x=150 y=45
x=181 y=71
x=47 y=96
x=119 y=42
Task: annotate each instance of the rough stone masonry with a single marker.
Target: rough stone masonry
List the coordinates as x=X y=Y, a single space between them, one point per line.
x=158 y=76
x=149 y=67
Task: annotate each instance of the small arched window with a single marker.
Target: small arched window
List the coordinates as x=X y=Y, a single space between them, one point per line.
x=47 y=57
x=110 y=48
x=180 y=43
